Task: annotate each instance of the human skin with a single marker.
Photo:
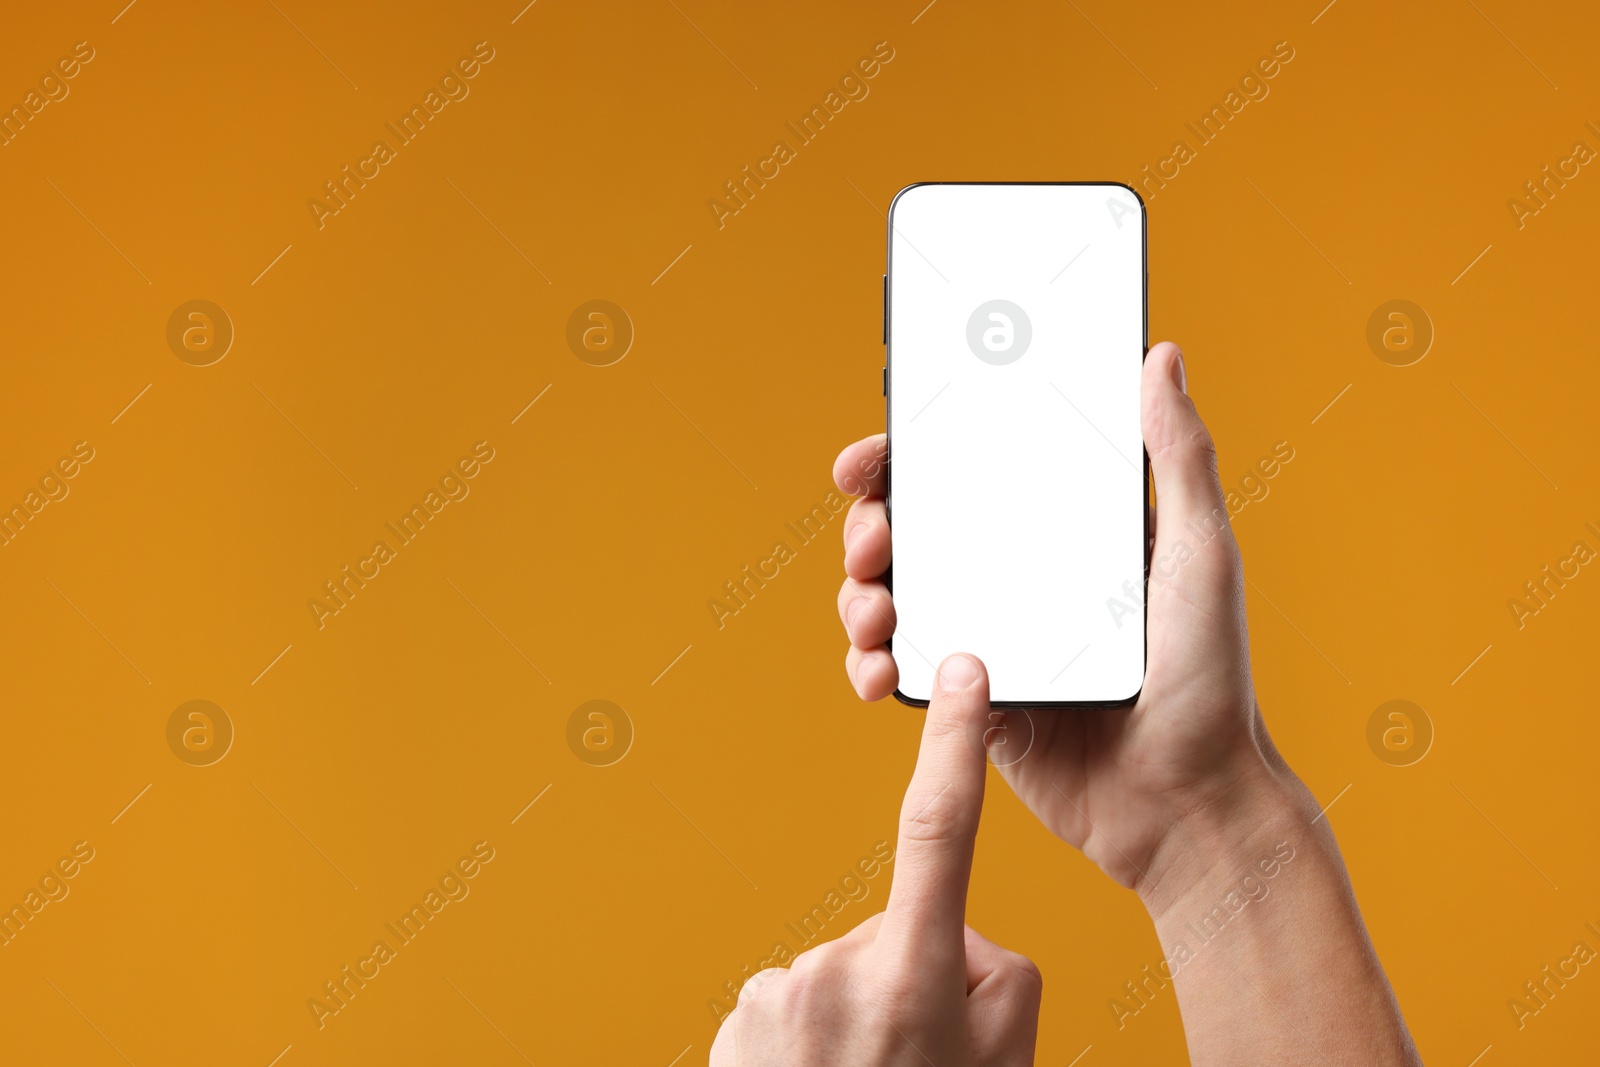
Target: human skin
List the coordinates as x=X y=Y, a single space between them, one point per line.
x=1180 y=797
x=913 y=985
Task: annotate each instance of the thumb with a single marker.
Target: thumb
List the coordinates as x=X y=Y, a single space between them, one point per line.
x=1183 y=457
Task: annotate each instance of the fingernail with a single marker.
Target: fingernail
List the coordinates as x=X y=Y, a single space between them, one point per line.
x=854 y=532
x=853 y=609
x=957 y=673
x=1179 y=378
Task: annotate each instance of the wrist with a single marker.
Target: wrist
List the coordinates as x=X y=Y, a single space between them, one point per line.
x=1247 y=827
x=1248 y=892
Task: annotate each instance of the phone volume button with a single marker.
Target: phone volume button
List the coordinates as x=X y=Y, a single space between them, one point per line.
x=886 y=315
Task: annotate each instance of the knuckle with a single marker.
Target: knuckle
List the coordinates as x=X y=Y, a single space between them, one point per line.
x=934 y=818
x=760 y=987
x=1193 y=440
x=849 y=589
x=863 y=510
x=928 y=829
x=1024 y=974
x=872 y=622
x=1201 y=443
x=808 y=966
x=813 y=977
x=799 y=991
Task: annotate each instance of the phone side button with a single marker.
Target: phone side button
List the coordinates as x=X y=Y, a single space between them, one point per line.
x=886 y=381
x=886 y=312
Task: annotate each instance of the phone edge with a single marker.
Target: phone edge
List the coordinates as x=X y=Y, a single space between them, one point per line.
x=888 y=441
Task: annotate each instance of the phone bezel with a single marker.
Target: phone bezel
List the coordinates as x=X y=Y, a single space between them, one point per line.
x=888 y=403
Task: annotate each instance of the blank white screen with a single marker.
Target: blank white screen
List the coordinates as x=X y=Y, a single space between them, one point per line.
x=1017 y=499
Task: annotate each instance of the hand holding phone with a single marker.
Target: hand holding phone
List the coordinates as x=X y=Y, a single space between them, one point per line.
x=1183 y=796
x=1111 y=781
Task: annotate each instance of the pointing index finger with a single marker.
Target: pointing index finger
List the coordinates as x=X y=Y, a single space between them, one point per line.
x=925 y=921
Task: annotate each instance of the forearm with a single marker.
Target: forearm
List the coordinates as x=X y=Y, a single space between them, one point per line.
x=1263 y=938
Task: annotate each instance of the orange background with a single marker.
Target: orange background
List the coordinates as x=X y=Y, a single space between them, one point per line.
x=375 y=352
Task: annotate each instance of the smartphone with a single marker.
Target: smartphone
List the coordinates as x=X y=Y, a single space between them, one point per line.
x=1018 y=483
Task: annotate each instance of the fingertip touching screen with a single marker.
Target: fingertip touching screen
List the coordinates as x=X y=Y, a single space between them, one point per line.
x=1017 y=492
